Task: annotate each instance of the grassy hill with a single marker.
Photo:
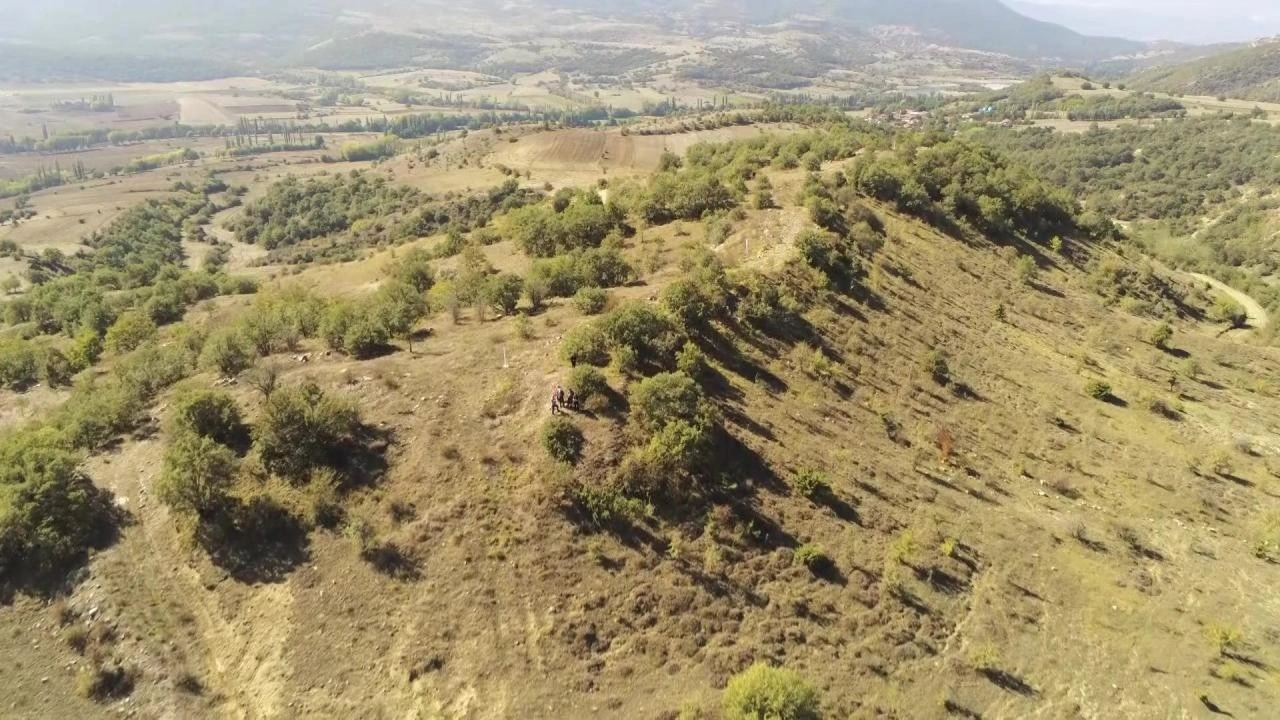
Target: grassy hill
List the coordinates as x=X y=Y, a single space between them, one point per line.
x=908 y=426
x=1251 y=73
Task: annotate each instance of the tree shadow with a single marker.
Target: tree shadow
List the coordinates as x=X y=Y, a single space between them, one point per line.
x=955 y=708
x=940 y=580
x=393 y=561
x=254 y=541
x=1112 y=399
x=1006 y=680
x=827 y=498
x=32 y=571
x=362 y=459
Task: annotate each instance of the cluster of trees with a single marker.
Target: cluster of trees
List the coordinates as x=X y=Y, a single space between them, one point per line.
x=572 y=221
x=1176 y=169
x=1131 y=106
x=294 y=211
x=139 y=253
x=938 y=178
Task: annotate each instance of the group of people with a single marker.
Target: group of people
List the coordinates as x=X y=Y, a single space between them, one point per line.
x=562 y=401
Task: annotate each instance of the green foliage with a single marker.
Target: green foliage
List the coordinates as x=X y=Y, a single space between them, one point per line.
x=365 y=337
x=414 y=270
x=542 y=231
x=374 y=150
x=55 y=369
x=210 y=414
x=638 y=327
x=563 y=440
x=762 y=692
x=586 y=344
x=18 y=363
x=829 y=254
x=295 y=211
x=811 y=483
x=564 y=275
x=1026 y=269
x=1229 y=311
x=227 y=351
x=590 y=300
x=197 y=474
x=692 y=362
x=50 y=513
x=1097 y=389
x=502 y=292
x=588 y=383
x=129 y=331
x=1160 y=335
x=301 y=428
x=667 y=397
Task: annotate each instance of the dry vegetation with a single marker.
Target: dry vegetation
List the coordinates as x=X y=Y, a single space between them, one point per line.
x=921 y=501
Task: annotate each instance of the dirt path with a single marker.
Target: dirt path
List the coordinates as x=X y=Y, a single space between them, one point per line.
x=1258 y=317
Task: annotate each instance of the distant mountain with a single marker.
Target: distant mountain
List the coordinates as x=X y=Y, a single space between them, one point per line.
x=1188 y=21
x=1250 y=73
x=986 y=25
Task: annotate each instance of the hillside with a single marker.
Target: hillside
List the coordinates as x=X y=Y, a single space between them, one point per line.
x=909 y=426
x=821 y=36
x=1251 y=73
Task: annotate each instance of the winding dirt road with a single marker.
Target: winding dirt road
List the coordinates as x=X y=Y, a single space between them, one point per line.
x=1258 y=317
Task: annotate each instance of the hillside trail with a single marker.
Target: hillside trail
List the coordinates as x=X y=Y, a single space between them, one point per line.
x=1257 y=315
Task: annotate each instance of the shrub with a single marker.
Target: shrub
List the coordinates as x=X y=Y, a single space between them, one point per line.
x=605 y=505
x=197 y=474
x=227 y=352
x=590 y=300
x=85 y=349
x=365 y=338
x=18 y=365
x=50 y=513
x=55 y=368
x=129 y=331
x=101 y=682
x=586 y=344
x=209 y=413
x=503 y=291
x=639 y=327
x=301 y=428
x=935 y=363
x=563 y=440
x=1097 y=389
x=811 y=556
x=1027 y=269
x=1160 y=335
x=762 y=692
x=588 y=382
x=811 y=483
x=1229 y=311
x=666 y=398
x=692 y=362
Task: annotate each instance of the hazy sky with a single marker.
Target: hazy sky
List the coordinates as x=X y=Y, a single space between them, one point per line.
x=1184 y=20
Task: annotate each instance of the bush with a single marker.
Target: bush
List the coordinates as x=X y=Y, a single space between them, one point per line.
x=209 y=413
x=811 y=483
x=811 y=556
x=1229 y=311
x=55 y=368
x=18 y=368
x=85 y=349
x=302 y=428
x=586 y=344
x=692 y=362
x=666 y=398
x=227 y=352
x=640 y=328
x=935 y=363
x=1097 y=389
x=762 y=692
x=365 y=338
x=563 y=440
x=197 y=474
x=588 y=382
x=50 y=513
x=129 y=331
x=101 y=682
x=1160 y=335
x=590 y=300
x=503 y=291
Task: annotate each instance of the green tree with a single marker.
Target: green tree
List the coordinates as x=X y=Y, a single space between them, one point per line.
x=563 y=440
x=502 y=292
x=227 y=351
x=303 y=427
x=198 y=472
x=129 y=331
x=211 y=414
